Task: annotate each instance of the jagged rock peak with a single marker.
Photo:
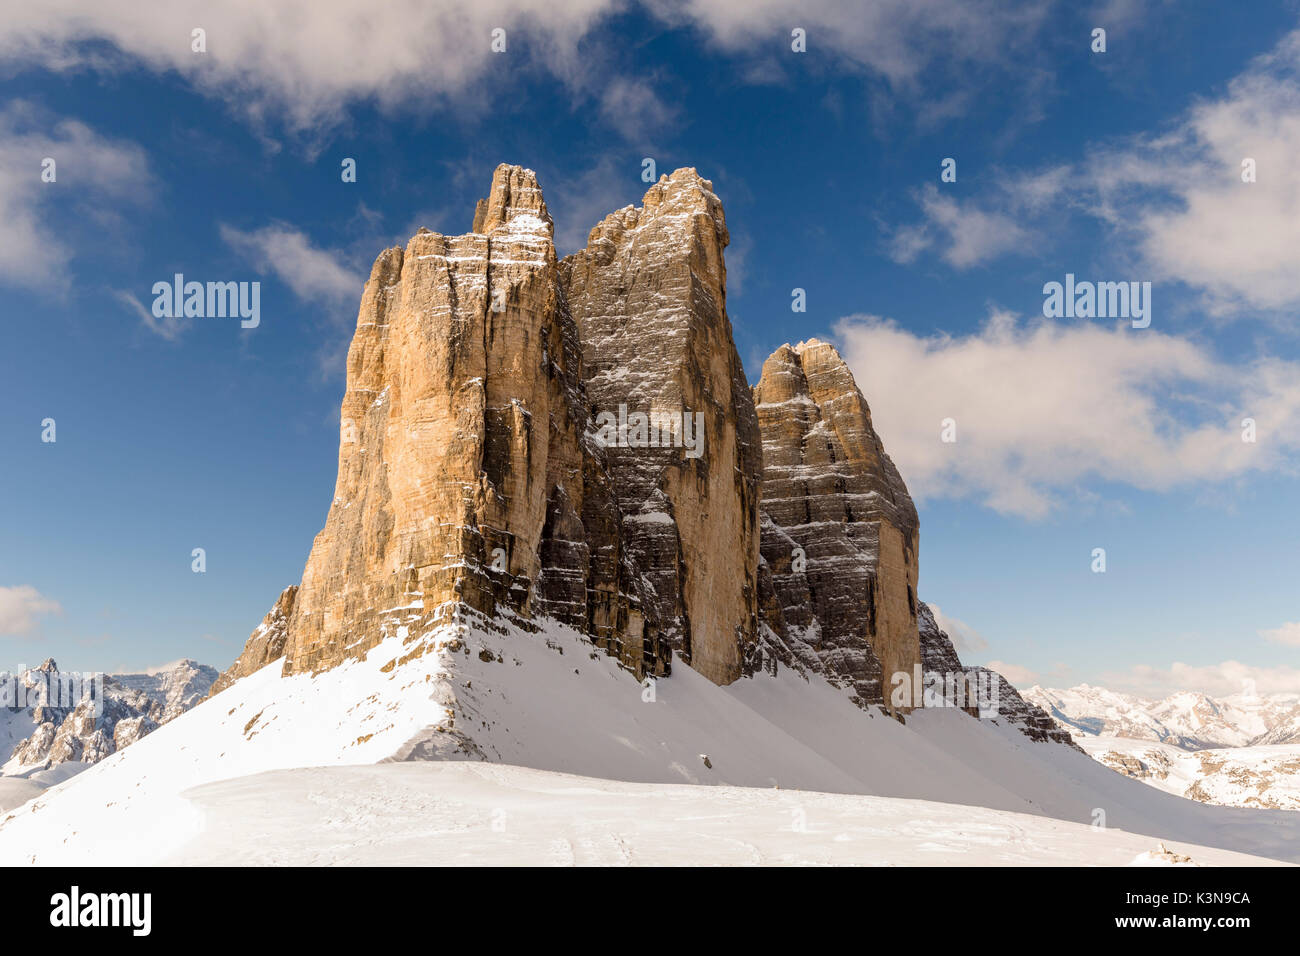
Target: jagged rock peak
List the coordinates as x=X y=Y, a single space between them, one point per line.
x=815 y=371
x=266 y=644
x=684 y=193
x=842 y=534
x=649 y=295
x=514 y=202
x=995 y=698
x=466 y=479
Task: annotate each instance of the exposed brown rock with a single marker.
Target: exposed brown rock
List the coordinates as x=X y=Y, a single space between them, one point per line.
x=491 y=464
x=841 y=542
x=467 y=475
x=649 y=295
x=265 y=644
x=998 y=699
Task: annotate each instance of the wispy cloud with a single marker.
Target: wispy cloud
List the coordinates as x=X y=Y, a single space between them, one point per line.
x=169 y=327
x=307 y=59
x=405 y=52
x=635 y=108
x=314 y=274
x=964 y=234
x=1288 y=633
x=1018 y=675
x=583 y=200
x=965 y=638
x=21 y=606
x=895 y=39
x=93 y=176
x=1217 y=680
x=1173 y=199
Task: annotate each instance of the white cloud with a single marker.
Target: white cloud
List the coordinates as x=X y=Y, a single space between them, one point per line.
x=897 y=39
x=20 y=606
x=634 y=108
x=307 y=59
x=1237 y=241
x=1288 y=633
x=1173 y=198
x=169 y=328
x=1043 y=407
x=314 y=274
x=1017 y=675
x=93 y=176
x=965 y=234
x=1217 y=680
x=964 y=637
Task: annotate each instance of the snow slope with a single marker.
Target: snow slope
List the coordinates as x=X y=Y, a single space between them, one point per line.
x=550 y=701
x=439 y=813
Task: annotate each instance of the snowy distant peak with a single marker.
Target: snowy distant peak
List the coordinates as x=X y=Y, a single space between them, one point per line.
x=52 y=717
x=1188 y=719
x=175 y=687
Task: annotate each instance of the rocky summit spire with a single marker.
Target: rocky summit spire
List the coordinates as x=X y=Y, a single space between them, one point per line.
x=468 y=478
x=514 y=195
x=840 y=532
x=529 y=438
x=649 y=296
x=525 y=439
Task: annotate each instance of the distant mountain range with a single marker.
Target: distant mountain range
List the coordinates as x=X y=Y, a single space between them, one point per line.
x=1240 y=751
x=48 y=719
x=1186 y=720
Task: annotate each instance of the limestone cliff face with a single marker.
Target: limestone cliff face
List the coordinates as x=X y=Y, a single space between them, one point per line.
x=266 y=644
x=527 y=438
x=649 y=296
x=466 y=474
x=840 y=532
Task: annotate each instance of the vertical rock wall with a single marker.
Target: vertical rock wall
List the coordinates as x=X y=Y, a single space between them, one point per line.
x=841 y=543
x=649 y=296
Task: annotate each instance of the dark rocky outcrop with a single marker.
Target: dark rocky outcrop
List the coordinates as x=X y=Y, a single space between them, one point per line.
x=840 y=533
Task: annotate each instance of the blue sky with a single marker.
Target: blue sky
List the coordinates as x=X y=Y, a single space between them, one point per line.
x=1073 y=434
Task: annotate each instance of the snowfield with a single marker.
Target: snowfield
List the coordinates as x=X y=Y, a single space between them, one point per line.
x=1231 y=776
x=383 y=760
x=492 y=814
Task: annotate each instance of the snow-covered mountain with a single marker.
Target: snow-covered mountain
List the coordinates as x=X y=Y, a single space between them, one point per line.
x=719 y=637
x=525 y=706
x=1186 y=720
x=1260 y=776
x=1241 y=751
x=52 y=718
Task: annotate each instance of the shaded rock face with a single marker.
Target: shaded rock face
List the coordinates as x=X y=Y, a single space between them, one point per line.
x=840 y=532
x=998 y=699
x=649 y=296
